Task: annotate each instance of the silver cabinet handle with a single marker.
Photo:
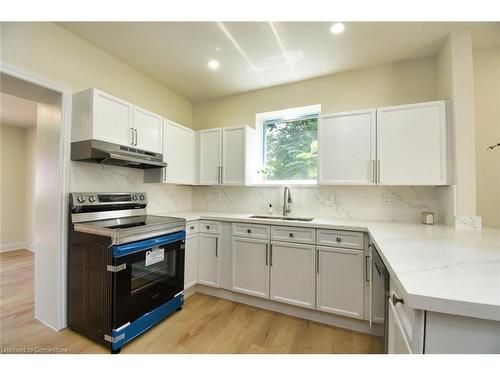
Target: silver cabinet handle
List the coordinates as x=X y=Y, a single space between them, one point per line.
x=135 y=131
x=317 y=261
x=267 y=247
x=378 y=171
x=133 y=136
x=271 y=256
x=366 y=268
x=396 y=300
x=221 y=175
x=219 y=178
x=374 y=172
x=216 y=247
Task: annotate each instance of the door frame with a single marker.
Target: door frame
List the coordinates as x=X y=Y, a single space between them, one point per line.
x=64 y=152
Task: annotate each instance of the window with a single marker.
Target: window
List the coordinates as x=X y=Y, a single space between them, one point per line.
x=290 y=149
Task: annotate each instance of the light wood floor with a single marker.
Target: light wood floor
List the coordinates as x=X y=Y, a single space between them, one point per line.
x=205 y=325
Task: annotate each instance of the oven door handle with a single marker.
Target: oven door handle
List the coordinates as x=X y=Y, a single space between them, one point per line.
x=134 y=247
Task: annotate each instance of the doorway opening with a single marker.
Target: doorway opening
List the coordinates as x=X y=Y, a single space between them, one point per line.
x=33 y=172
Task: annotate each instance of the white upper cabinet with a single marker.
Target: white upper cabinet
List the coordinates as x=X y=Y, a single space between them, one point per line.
x=148 y=130
x=103 y=117
x=100 y=116
x=346 y=146
x=178 y=153
x=412 y=144
x=226 y=156
x=233 y=156
x=210 y=145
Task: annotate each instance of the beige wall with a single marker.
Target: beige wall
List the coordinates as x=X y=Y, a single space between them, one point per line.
x=13 y=187
x=487 y=112
x=52 y=52
x=388 y=84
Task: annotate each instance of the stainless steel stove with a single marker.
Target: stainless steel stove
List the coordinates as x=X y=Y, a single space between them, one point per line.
x=120 y=216
x=125 y=267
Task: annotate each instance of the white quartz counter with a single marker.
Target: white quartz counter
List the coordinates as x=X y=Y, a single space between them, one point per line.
x=438 y=268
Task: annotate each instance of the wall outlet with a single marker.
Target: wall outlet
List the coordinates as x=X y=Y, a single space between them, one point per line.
x=388 y=199
x=215 y=196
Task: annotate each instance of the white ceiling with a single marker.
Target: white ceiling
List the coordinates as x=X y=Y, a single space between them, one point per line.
x=16 y=111
x=255 y=55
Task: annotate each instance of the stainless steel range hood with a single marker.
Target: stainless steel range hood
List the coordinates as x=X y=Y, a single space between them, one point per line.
x=94 y=151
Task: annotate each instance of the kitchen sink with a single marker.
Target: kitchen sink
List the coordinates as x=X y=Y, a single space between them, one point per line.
x=286 y=218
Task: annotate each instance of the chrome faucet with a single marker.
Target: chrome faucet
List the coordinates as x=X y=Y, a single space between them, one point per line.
x=287 y=200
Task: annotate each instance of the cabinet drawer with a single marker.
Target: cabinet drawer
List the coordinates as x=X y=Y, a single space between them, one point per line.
x=192 y=227
x=251 y=230
x=293 y=234
x=341 y=238
x=405 y=314
x=206 y=226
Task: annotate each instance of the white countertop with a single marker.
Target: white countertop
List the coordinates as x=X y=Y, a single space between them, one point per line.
x=438 y=268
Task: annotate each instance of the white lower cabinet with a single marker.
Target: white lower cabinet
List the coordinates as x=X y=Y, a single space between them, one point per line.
x=293 y=273
x=339 y=275
x=208 y=260
x=397 y=340
x=250 y=266
x=191 y=260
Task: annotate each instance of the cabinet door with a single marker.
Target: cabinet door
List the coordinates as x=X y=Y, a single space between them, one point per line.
x=210 y=156
x=397 y=341
x=233 y=156
x=178 y=153
x=191 y=261
x=412 y=144
x=208 y=260
x=340 y=281
x=293 y=273
x=250 y=266
x=149 y=130
x=112 y=119
x=347 y=148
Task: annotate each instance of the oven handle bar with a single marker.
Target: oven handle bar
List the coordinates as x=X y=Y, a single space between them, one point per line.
x=134 y=247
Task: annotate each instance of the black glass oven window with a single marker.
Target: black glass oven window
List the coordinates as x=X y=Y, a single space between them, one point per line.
x=146 y=276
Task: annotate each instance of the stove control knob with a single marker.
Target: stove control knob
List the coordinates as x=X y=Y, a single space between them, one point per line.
x=134 y=197
x=82 y=198
x=142 y=197
x=92 y=198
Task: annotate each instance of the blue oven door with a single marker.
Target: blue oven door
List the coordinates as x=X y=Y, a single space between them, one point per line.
x=147 y=274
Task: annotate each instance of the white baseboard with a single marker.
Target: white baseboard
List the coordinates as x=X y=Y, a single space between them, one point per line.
x=299 y=312
x=5 y=247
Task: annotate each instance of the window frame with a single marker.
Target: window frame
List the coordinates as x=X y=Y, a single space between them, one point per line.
x=281 y=115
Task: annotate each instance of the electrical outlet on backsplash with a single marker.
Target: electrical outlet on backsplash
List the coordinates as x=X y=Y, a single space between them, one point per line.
x=341 y=202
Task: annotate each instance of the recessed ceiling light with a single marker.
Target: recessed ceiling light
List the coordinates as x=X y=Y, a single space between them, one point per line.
x=337 y=28
x=213 y=64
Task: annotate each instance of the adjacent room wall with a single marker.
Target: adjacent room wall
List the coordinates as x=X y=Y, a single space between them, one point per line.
x=15 y=229
x=388 y=84
x=487 y=116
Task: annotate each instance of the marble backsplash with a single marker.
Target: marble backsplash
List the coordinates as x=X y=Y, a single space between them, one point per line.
x=342 y=202
x=104 y=178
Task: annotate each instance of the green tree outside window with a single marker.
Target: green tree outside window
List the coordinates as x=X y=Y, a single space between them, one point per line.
x=291 y=149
